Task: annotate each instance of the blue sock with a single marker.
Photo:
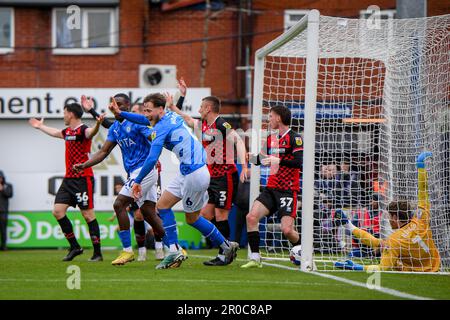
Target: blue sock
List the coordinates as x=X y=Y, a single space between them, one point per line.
x=209 y=231
x=125 y=238
x=170 y=226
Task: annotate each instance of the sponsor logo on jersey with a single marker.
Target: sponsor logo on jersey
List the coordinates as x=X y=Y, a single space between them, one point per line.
x=277 y=150
x=207 y=137
x=298 y=141
x=227 y=125
x=71 y=138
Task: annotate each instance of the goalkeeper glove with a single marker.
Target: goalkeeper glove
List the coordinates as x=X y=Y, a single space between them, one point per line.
x=420 y=162
x=349 y=265
x=340 y=217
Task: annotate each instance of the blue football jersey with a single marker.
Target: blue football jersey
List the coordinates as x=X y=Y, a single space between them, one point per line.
x=133 y=141
x=172 y=133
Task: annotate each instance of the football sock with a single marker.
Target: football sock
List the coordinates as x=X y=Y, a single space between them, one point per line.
x=142 y=250
x=224 y=229
x=67 y=229
x=125 y=238
x=139 y=232
x=210 y=231
x=253 y=241
x=170 y=227
x=94 y=231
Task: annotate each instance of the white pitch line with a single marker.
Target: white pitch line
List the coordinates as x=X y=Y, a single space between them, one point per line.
x=389 y=291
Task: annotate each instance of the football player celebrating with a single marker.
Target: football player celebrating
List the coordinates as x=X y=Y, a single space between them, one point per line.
x=190 y=185
x=218 y=139
x=133 y=141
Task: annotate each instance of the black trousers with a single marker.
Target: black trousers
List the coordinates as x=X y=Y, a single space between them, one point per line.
x=3 y=225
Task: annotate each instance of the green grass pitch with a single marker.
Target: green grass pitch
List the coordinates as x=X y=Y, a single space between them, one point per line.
x=40 y=274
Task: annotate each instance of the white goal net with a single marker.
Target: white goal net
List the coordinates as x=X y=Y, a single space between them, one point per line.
x=382 y=97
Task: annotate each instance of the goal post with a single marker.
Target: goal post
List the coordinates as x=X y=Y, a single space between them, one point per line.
x=367 y=98
x=308 y=22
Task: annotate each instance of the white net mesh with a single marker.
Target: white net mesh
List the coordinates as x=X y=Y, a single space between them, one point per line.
x=382 y=98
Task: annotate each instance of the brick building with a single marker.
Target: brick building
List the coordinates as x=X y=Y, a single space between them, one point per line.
x=37 y=51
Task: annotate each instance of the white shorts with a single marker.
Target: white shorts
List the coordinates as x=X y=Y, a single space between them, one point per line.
x=192 y=189
x=148 y=185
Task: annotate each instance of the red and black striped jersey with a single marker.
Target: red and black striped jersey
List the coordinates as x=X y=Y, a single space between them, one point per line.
x=220 y=160
x=77 y=150
x=282 y=177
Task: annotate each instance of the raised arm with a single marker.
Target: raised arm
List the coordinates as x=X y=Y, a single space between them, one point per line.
x=424 y=201
x=191 y=122
x=39 y=124
x=91 y=132
x=88 y=106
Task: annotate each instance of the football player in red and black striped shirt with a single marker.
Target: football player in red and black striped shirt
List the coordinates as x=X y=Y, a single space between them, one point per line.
x=77 y=188
x=284 y=154
x=218 y=139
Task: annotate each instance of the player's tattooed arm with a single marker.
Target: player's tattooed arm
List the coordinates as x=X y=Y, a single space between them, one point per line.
x=39 y=124
x=97 y=157
x=88 y=106
x=175 y=108
x=182 y=87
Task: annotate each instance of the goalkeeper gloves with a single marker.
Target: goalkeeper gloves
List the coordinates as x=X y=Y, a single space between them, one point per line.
x=349 y=265
x=420 y=162
x=340 y=217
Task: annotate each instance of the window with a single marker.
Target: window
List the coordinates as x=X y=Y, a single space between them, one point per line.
x=97 y=32
x=384 y=14
x=291 y=17
x=6 y=30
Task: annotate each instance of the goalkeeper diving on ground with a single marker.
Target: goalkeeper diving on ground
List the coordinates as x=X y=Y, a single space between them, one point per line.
x=410 y=247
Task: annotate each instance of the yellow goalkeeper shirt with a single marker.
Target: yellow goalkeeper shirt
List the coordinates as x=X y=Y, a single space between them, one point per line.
x=411 y=248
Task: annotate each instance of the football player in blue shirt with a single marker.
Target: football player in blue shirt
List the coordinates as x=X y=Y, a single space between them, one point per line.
x=190 y=186
x=134 y=142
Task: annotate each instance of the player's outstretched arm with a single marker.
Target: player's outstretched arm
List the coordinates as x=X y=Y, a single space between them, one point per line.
x=340 y=218
x=91 y=132
x=88 y=106
x=424 y=201
x=39 y=124
x=97 y=157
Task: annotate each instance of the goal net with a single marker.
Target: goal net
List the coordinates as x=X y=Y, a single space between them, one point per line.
x=380 y=90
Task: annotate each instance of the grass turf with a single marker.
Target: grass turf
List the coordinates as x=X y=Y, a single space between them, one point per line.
x=40 y=274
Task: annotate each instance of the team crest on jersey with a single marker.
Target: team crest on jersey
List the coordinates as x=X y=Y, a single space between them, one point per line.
x=227 y=125
x=298 y=141
x=128 y=129
x=153 y=136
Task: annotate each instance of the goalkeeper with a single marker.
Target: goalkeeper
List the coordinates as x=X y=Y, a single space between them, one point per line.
x=410 y=247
